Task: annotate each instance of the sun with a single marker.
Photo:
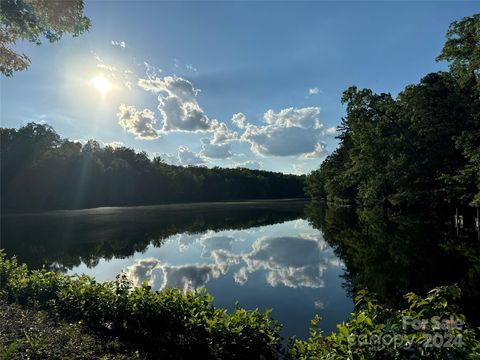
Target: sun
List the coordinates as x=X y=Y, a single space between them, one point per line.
x=102 y=84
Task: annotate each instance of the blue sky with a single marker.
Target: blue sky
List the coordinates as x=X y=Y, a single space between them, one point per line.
x=225 y=83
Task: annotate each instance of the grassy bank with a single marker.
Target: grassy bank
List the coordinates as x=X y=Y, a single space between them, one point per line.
x=47 y=315
x=27 y=333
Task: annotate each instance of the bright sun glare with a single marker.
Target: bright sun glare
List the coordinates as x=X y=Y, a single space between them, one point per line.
x=102 y=84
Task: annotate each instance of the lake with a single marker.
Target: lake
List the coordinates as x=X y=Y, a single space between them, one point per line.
x=259 y=254
x=295 y=257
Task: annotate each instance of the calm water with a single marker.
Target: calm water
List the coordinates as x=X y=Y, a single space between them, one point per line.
x=261 y=254
x=295 y=257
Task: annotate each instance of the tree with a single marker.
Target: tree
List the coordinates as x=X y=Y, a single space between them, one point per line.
x=418 y=150
x=32 y=20
x=40 y=170
x=462 y=49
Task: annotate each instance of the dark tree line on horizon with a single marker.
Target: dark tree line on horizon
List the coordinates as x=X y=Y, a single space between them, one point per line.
x=40 y=170
x=419 y=149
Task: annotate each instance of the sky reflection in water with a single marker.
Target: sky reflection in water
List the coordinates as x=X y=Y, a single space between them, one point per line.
x=286 y=266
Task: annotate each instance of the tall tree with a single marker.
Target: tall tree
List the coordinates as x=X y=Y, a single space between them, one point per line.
x=33 y=20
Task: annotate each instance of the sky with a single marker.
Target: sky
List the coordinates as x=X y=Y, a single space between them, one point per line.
x=231 y=84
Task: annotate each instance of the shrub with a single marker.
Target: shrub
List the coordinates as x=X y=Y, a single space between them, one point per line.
x=430 y=328
x=169 y=323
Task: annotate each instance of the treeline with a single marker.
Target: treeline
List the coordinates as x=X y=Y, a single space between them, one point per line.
x=40 y=170
x=419 y=149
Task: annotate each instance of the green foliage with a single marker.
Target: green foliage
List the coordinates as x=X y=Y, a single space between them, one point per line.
x=391 y=254
x=378 y=332
x=420 y=149
x=39 y=170
x=33 y=19
x=32 y=334
x=174 y=324
x=170 y=323
x=462 y=49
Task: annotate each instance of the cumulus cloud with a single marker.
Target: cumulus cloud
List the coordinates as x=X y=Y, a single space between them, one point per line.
x=177 y=103
x=188 y=157
x=186 y=240
x=320 y=150
x=218 y=146
x=241 y=276
x=185 y=156
x=292 y=117
x=289 y=132
x=221 y=133
x=239 y=119
x=289 y=261
x=313 y=91
x=249 y=164
x=215 y=243
x=171 y=159
x=215 y=151
x=186 y=277
x=141 y=271
x=140 y=123
x=115 y=144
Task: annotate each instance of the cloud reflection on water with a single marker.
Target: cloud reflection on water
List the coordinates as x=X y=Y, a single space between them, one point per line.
x=290 y=261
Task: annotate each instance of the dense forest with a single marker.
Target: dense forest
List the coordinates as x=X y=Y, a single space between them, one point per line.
x=40 y=170
x=420 y=149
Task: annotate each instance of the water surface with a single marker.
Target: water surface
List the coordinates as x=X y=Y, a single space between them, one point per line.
x=261 y=254
x=298 y=258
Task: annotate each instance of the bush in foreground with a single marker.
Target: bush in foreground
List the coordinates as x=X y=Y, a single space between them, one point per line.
x=429 y=328
x=166 y=324
x=173 y=324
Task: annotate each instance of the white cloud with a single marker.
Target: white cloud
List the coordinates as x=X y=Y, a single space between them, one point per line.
x=320 y=150
x=151 y=71
x=213 y=243
x=171 y=159
x=177 y=103
x=122 y=44
x=314 y=91
x=241 y=276
x=331 y=131
x=298 y=169
x=139 y=123
x=221 y=133
x=290 y=117
x=215 y=151
x=185 y=277
x=239 y=120
x=290 y=261
x=187 y=157
x=289 y=132
x=141 y=271
x=249 y=164
x=115 y=144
